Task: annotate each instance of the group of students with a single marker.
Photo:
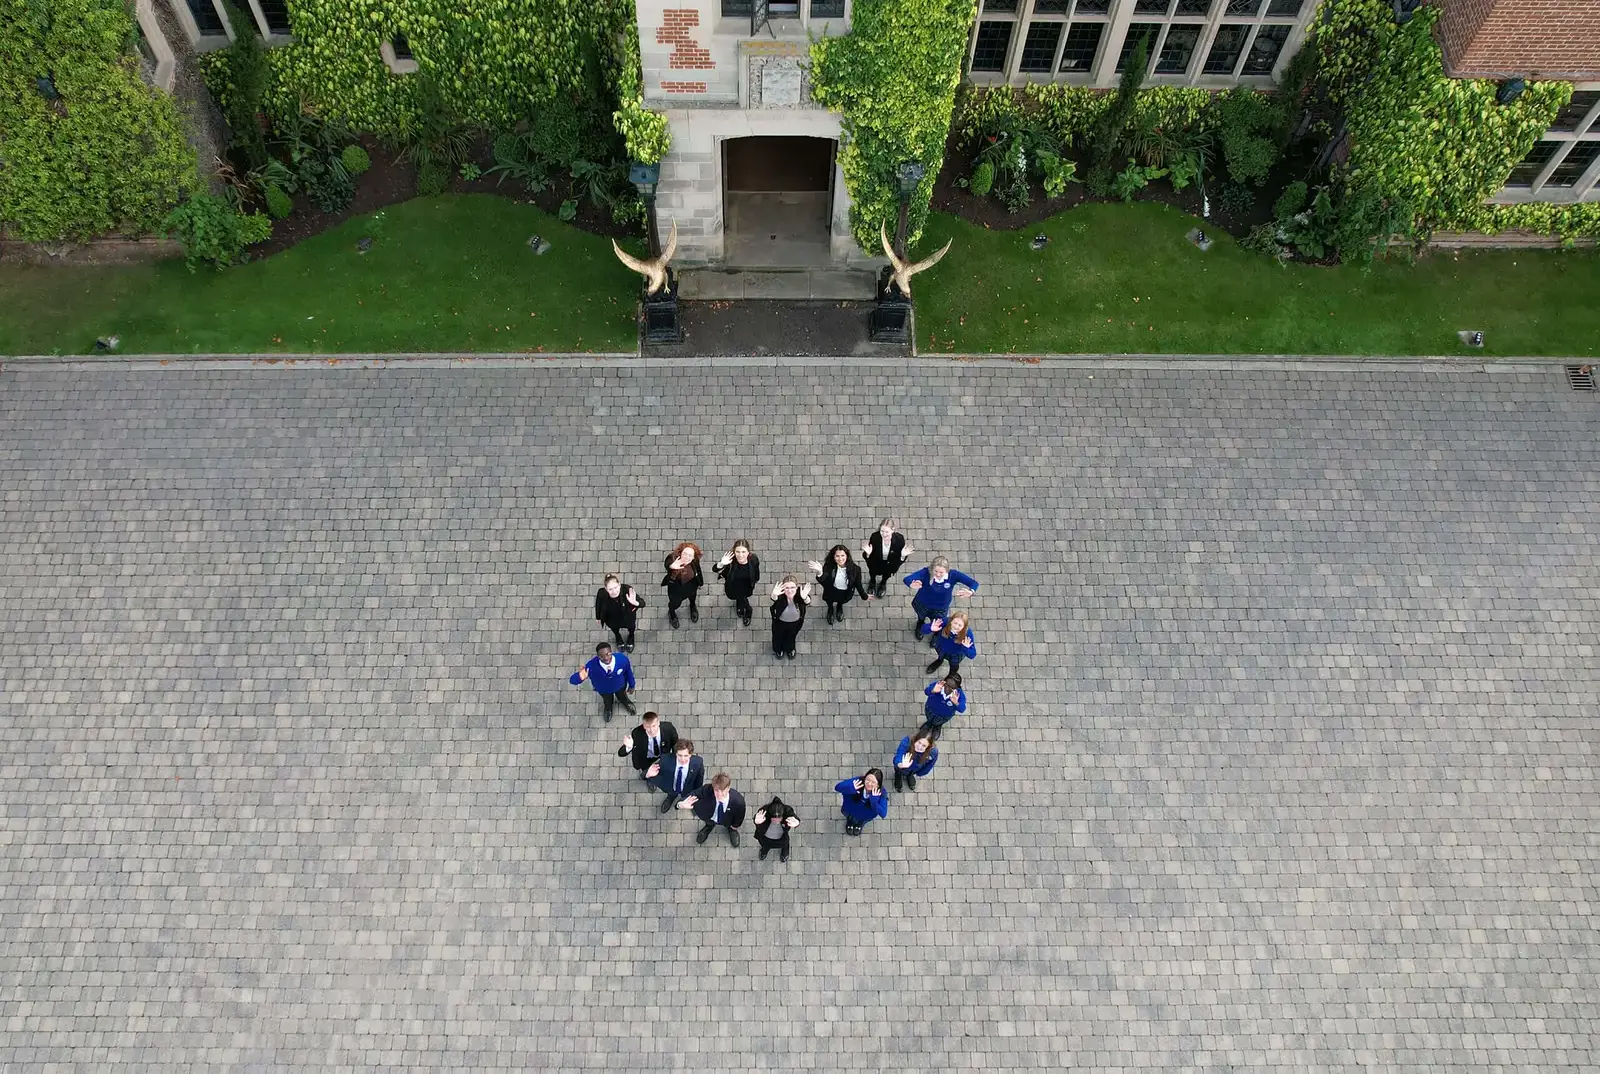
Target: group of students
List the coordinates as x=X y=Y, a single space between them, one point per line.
x=669 y=764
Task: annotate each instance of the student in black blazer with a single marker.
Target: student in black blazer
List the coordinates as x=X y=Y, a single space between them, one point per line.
x=616 y=607
x=739 y=570
x=683 y=581
x=840 y=579
x=774 y=821
x=723 y=807
x=789 y=601
x=653 y=740
x=679 y=775
x=885 y=550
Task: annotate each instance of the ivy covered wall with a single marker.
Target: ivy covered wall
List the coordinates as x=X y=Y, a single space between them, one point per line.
x=489 y=57
x=1445 y=145
x=893 y=78
x=109 y=154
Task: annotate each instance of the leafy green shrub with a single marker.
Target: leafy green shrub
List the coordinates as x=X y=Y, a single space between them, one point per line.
x=1110 y=130
x=327 y=184
x=1014 y=196
x=514 y=158
x=279 y=204
x=436 y=138
x=568 y=210
x=110 y=153
x=243 y=73
x=1236 y=199
x=1185 y=169
x=1291 y=201
x=432 y=179
x=1134 y=178
x=212 y=231
x=1056 y=172
x=355 y=159
x=1247 y=125
x=982 y=179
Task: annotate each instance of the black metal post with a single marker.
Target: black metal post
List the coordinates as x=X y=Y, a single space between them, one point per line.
x=655 y=229
x=900 y=227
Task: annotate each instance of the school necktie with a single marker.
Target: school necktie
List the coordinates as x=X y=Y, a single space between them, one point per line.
x=716 y=815
x=679 y=785
x=655 y=747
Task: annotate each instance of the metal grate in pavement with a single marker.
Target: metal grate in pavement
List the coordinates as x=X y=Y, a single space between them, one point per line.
x=1581 y=377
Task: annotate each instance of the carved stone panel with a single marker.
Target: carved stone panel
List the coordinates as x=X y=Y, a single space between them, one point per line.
x=781 y=84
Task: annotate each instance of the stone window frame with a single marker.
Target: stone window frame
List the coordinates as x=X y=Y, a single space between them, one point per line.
x=1587 y=188
x=211 y=42
x=1118 y=20
x=166 y=61
x=784 y=26
x=398 y=65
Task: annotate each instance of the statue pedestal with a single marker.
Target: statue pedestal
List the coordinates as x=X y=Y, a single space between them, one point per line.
x=661 y=321
x=890 y=319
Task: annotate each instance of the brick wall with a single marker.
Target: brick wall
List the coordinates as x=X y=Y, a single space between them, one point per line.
x=1530 y=38
x=688 y=52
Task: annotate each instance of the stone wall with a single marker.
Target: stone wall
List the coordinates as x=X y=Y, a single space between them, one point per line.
x=716 y=82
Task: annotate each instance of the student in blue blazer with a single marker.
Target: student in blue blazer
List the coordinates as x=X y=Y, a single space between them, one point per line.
x=862 y=800
x=611 y=675
x=933 y=588
x=953 y=640
x=916 y=757
x=945 y=701
x=679 y=777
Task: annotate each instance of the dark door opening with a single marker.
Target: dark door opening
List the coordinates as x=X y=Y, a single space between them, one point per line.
x=777 y=200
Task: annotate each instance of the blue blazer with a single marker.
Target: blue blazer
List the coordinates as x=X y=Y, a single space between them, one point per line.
x=941 y=708
x=947 y=646
x=620 y=677
x=916 y=769
x=935 y=597
x=693 y=779
x=858 y=806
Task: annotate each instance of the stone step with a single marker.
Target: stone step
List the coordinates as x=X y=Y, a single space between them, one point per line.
x=857 y=284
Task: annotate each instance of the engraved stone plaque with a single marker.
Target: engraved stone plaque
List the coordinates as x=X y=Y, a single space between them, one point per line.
x=780 y=84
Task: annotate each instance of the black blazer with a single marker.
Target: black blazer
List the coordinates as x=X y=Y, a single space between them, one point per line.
x=852 y=574
x=672 y=583
x=779 y=603
x=641 y=746
x=705 y=805
x=693 y=779
x=896 y=556
x=739 y=579
x=609 y=609
x=777 y=809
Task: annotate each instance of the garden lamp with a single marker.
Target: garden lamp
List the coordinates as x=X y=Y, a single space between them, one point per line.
x=1510 y=90
x=647 y=177
x=907 y=176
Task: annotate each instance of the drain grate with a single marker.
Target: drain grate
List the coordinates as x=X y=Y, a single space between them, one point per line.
x=1581 y=377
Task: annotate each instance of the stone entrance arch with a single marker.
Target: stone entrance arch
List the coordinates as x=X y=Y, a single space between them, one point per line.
x=777 y=200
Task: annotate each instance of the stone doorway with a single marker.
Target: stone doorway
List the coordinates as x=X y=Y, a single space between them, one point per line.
x=777 y=201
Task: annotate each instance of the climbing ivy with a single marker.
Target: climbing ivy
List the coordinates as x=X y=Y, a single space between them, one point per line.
x=491 y=59
x=893 y=78
x=643 y=131
x=1416 y=135
x=109 y=153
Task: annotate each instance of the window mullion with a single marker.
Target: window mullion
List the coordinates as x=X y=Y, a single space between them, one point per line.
x=1550 y=165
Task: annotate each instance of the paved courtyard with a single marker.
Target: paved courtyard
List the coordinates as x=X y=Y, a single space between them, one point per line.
x=1281 y=757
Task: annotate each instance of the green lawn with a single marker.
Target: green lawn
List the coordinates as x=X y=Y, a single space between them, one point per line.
x=444 y=274
x=1123 y=279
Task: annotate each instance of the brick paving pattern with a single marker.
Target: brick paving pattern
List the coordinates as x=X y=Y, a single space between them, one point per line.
x=1281 y=754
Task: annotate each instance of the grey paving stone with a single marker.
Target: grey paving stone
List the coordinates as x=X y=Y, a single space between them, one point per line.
x=1281 y=755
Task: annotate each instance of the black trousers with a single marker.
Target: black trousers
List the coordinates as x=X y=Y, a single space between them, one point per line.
x=617 y=628
x=676 y=597
x=784 y=634
x=954 y=661
x=780 y=843
x=742 y=606
x=837 y=598
x=878 y=577
x=608 y=703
